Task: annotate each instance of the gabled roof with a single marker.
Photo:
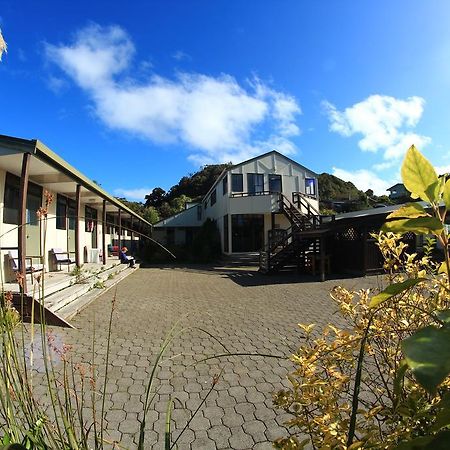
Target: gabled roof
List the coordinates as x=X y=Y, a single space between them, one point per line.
x=395 y=186
x=234 y=166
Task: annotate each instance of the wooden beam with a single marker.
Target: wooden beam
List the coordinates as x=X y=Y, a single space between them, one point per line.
x=22 y=229
x=77 y=225
x=104 y=251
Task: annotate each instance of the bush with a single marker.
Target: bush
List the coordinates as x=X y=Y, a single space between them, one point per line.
x=379 y=378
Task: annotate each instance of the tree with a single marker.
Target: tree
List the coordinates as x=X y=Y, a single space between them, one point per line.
x=156 y=197
x=179 y=203
x=151 y=214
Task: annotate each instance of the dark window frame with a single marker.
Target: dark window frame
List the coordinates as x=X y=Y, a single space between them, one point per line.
x=213 y=197
x=255 y=187
x=272 y=177
x=61 y=215
x=225 y=185
x=237 y=182
x=308 y=185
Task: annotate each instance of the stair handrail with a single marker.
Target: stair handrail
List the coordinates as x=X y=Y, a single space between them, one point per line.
x=300 y=199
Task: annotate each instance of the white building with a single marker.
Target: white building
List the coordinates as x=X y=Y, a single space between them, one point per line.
x=82 y=221
x=252 y=203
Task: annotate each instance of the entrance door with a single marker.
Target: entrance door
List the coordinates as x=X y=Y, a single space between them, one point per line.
x=34 y=202
x=247 y=232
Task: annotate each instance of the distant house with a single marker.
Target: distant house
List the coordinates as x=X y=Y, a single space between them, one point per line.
x=251 y=202
x=398 y=191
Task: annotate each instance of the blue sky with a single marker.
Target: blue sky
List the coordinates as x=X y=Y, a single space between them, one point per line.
x=138 y=95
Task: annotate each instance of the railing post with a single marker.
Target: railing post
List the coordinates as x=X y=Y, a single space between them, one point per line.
x=104 y=232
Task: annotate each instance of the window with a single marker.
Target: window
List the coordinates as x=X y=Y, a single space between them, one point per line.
x=72 y=213
x=255 y=183
x=226 y=238
x=110 y=222
x=11 y=199
x=205 y=204
x=310 y=186
x=34 y=202
x=237 y=184
x=275 y=183
x=199 y=212
x=213 y=197
x=90 y=219
x=225 y=185
x=61 y=212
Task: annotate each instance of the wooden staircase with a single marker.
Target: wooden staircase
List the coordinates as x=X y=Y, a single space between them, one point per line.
x=294 y=248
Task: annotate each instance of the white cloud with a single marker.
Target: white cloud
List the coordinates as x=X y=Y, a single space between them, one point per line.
x=133 y=194
x=440 y=170
x=364 y=179
x=179 y=55
x=215 y=116
x=385 y=123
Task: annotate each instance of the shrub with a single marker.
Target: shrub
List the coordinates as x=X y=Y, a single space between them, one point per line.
x=379 y=378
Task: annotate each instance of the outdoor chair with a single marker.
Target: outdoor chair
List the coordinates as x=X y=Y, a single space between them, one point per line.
x=30 y=267
x=62 y=258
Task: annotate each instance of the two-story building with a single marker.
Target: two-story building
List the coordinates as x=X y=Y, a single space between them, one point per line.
x=249 y=203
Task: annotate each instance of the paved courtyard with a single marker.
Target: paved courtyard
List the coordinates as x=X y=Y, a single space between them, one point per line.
x=245 y=312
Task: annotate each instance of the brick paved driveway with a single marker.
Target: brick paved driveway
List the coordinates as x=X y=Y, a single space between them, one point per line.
x=245 y=311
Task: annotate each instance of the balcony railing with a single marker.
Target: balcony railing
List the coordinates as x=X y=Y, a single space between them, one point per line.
x=253 y=194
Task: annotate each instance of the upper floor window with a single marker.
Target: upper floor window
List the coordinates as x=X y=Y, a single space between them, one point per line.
x=275 y=183
x=213 y=197
x=225 y=185
x=199 y=212
x=310 y=186
x=255 y=183
x=237 y=183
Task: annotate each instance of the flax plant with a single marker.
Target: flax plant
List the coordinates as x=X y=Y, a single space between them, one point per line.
x=65 y=416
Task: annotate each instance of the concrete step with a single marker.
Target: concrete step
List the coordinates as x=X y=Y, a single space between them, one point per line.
x=104 y=282
x=72 y=297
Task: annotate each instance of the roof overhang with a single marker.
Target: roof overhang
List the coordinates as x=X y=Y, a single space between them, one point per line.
x=49 y=169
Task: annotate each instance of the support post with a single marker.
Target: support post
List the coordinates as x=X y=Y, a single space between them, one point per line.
x=22 y=230
x=104 y=251
x=322 y=258
x=119 y=240
x=77 y=225
x=132 y=235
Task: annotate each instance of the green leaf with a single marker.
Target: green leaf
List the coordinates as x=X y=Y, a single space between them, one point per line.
x=439 y=441
x=394 y=289
x=409 y=211
x=442 y=268
x=398 y=381
x=446 y=194
x=444 y=316
x=421 y=225
x=443 y=416
x=419 y=175
x=428 y=355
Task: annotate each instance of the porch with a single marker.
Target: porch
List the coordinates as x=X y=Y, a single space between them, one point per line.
x=63 y=294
